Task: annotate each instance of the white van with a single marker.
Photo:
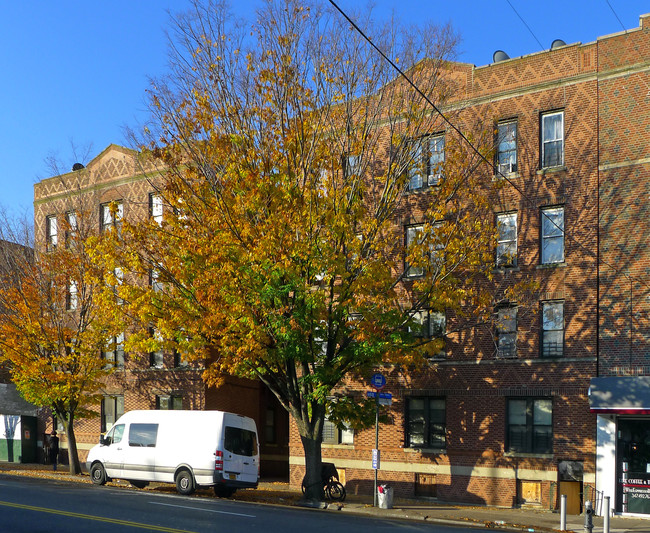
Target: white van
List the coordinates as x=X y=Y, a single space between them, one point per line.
x=189 y=448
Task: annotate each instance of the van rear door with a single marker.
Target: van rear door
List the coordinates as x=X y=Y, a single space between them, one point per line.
x=240 y=456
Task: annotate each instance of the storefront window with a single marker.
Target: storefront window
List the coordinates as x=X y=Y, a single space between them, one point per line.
x=633 y=466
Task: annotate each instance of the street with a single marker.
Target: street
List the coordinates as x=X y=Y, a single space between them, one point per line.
x=30 y=505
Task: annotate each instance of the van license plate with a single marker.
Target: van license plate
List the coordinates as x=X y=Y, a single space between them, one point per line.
x=232 y=476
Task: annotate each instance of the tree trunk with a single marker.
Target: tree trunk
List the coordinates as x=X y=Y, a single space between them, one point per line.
x=313 y=462
x=73 y=454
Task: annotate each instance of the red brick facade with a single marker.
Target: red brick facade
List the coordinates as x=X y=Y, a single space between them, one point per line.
x=115 y=175
x=602 y=90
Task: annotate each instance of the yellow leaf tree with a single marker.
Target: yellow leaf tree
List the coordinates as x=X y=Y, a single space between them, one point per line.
x=292 y=157
x=51 y=334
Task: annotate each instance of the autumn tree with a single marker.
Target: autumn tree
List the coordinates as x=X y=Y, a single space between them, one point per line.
x=293 y=156
x=51 y=333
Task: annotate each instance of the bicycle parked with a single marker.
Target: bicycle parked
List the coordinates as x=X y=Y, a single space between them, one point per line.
x=332 y=487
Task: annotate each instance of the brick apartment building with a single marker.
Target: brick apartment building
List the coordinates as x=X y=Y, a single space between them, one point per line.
x=504 y=416
x=159 y=380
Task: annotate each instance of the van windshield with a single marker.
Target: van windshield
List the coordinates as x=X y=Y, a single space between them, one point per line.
x=240 y=441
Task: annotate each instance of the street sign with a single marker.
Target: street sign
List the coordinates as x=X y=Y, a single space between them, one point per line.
x=385 y=398
x=375 y=459
x=378 y=381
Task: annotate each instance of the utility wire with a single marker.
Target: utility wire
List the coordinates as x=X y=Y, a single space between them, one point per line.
x=527 y=26
x=470 y=144
x=616 y=15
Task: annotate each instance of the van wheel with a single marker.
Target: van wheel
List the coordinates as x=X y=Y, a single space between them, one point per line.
x=138 y=484
x=185 y=483
x=223 y=492
x=98 y=474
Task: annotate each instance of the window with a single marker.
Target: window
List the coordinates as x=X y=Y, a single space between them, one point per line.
x=169 y=402
x=269 y=426
x=119 y=280
x=154 y=280
x=434 y=253
x=112 y=409
x=428 y=155
x=156 y=359
x=507 y=240
x=507 y=332
x=430 y=324
x=530 y=425
x=143 y=435
x=115 y=435
x=351 y=166
x=552 y=329
x=156 y=207
x=240 y=441
x=179 y=360
x=72 y=228
x=72 y=296
x=334 y=435
x=52 y=232
x=413 y=236
x=552 y=139
x=552 y=240
x=110 y=215
x=507 y=147
x=113 y=354
x=426 y=423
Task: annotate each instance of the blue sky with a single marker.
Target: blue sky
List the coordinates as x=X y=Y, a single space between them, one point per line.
x=76 y=72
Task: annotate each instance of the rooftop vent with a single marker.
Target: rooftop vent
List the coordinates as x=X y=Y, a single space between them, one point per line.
x=499 y=55
x=557 y=43
x=77 y=166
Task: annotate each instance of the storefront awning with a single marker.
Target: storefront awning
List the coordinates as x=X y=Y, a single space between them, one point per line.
x=620 y=395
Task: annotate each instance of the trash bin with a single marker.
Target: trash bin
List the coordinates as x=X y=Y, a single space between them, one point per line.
x=385 y=496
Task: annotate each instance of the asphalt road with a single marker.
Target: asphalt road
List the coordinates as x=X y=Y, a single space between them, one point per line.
x=39 y=505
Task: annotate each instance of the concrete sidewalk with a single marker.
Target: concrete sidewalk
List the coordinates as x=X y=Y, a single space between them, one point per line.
x=279 y=493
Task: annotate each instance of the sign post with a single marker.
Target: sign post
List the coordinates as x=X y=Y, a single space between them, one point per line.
x=378 y=381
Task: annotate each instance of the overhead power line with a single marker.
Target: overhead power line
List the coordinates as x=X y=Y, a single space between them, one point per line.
x=527 y=26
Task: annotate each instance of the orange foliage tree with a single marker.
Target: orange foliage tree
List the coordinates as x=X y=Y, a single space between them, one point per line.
x=51 y=331
x=290 y=155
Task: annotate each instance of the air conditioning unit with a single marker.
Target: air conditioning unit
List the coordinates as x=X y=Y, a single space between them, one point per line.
x=507 y=168
x=434 y=179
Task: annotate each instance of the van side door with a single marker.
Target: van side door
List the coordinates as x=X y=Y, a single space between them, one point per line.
x=140 y=452
x=113 y=451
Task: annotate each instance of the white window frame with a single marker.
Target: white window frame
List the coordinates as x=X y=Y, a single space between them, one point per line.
x=413 y=234
x=553 y=328
x=506 y=242
x=156 y=207
x=72 y=297
x=507 y=332
x=428 y=154
x=552 y=232
x=106 y=217
x=52 y=230
x=73 y=227
x=113 y=354
x=333 y=435
x=507 y=147
x=156 y=357
x=552 y=138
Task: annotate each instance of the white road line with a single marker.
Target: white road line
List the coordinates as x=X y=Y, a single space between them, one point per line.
x=201 y=509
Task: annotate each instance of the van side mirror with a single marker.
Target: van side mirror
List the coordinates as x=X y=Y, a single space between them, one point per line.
x=104 y=441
